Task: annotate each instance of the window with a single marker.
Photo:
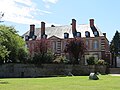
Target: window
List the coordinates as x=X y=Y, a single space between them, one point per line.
x=78 y=34
x=54 y=46
x=87 y=44
x=66 y=35
x=34 y=37
x=62 y=45
x=44 y=36
x=87 y=34
x=26 y=38
x=95 y=33
x=65 y=43
x=95 y=44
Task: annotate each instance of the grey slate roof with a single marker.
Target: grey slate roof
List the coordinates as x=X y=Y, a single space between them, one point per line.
x=59 y=31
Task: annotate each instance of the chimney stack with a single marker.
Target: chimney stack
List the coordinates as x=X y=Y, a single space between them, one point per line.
x=42 y=29
x=104 y=34
x=73 y=25
x=74 y=31
x=32 y=30
x=91 y=22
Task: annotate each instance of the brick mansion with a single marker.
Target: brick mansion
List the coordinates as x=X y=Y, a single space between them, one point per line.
x=96 y=41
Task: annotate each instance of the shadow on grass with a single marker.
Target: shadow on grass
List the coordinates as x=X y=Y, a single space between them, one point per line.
x=3 y=82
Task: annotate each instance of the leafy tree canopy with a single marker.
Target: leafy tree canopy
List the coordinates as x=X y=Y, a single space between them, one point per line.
x=76 y=48
x=11 y=43
x=115 y=44
x=42 y=53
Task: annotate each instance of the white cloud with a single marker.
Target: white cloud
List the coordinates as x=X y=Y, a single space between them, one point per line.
x=48 y=2
x=26 y=2
x=21 y=11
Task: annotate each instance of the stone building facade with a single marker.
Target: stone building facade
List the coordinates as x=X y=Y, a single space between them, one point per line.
x=96 y=41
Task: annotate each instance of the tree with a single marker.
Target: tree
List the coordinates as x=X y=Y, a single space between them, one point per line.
x=22 y=55
x=12 y=42
x=42 y=54
x=76 y=48
x=3 y=53
x=115 y=45
x=3 y=50
x=41 y=46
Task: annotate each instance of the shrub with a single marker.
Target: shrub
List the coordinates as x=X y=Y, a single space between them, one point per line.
x=61 y=59
x=91 y=61
x=101 y=62
x=42 y=58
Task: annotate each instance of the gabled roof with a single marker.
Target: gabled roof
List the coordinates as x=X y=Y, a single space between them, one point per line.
x=54 y=37
x=59 y=31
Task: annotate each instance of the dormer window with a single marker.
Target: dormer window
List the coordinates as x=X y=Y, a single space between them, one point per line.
x=44 y=36
x=34 y=37
x=66 y=35
x=87 y=34
x=26 y=38
x=78 y=34
x=96 y=33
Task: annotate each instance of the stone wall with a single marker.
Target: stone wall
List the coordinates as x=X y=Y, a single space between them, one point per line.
x=30 y=70
x=114 y=70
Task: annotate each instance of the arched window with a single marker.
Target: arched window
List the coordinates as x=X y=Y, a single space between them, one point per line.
x=95 y=44
x=87 y=34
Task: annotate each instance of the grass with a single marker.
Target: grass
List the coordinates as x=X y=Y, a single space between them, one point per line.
x=106 y=82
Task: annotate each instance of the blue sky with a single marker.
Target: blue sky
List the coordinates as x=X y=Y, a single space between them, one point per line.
x=22 y=13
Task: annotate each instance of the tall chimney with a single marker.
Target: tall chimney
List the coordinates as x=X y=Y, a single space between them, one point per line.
x=73 y=25
x=32 y=30
x=42 y=29
x=91 y=22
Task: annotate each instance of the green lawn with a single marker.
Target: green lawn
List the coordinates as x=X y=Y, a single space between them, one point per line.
x=106 y=82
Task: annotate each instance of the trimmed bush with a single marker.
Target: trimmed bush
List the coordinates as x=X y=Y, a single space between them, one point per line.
x=60 y=59
x=42 y=58
x=91 y=61
x=101 y=62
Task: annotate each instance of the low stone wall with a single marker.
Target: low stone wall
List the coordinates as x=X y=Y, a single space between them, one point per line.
x=30 y=70
x=114 y=70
